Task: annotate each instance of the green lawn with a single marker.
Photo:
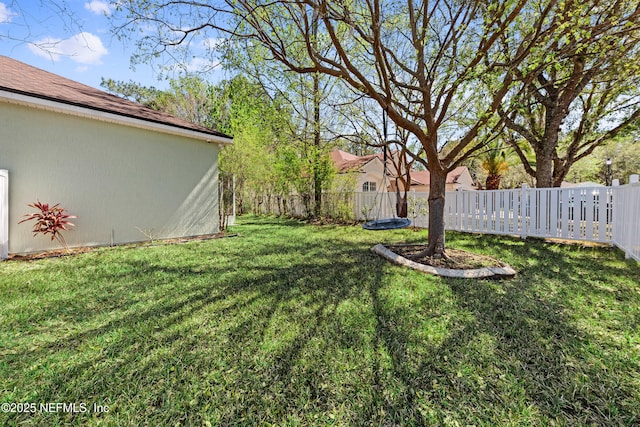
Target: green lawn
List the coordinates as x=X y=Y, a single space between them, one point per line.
x=291 y=324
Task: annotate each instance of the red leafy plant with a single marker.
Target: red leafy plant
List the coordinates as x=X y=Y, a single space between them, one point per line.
x=50 y=220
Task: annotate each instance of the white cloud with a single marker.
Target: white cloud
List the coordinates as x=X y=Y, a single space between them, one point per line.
x=5 y=14
x=83 y=48
x=98 y=7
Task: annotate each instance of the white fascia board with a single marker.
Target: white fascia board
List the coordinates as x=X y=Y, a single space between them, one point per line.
x=73 y=110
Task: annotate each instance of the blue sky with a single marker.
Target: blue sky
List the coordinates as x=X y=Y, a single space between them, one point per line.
x=76 y=43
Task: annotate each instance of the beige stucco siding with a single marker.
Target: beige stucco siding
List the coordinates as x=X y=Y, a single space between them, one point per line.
x=465 y=181
x=448 y=187
x=371 y=172
x=124 y=184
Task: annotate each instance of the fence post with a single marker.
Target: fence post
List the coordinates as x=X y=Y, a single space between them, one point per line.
x=629 y=213
x=4 y=214
x=523 y=211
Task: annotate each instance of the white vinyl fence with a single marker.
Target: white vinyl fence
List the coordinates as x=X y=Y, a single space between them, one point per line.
x=595 y=214
x=626 y=218
x=562 y=213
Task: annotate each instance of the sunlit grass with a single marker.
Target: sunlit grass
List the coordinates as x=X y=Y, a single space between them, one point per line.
x=291 y=324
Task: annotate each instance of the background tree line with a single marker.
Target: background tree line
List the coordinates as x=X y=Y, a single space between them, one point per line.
x=551 y=79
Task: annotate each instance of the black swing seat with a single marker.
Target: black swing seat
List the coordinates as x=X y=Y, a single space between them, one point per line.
x=387 y=224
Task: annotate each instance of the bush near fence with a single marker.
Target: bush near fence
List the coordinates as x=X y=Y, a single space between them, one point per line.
x=335 y=206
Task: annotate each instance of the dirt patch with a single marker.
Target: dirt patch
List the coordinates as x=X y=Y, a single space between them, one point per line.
x=83 y=249
x=50 y=254
x=456 y=258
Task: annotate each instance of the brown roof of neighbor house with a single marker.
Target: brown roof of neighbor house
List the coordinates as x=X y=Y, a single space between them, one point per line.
x=20 y=78
x=346 y=162
x=423 y=177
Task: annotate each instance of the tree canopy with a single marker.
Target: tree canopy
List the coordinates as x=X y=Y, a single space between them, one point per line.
x=577 y=90
x=441 y=70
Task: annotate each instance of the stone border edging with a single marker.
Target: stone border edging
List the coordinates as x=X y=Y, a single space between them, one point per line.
x=478 y=273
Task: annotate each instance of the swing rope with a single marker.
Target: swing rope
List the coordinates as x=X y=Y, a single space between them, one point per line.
x=386 y=223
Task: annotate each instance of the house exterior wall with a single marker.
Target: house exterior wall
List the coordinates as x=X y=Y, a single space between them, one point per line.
x=465 y=182
x=426 y=188
x=371 y=172
x=124 y=184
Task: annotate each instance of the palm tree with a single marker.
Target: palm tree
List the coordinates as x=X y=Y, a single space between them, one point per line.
x=495 y=162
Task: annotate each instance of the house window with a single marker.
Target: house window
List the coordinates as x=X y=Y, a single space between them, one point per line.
x=369 y=186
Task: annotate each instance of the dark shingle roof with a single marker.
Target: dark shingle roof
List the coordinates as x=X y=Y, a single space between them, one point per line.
x=20 y=78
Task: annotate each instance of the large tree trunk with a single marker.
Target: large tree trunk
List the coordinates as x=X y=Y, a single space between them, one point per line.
x=549 y=142
x=544 y=170
x=436 y=239
x=317 y=179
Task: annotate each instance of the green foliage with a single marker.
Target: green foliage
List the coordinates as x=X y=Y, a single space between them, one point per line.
x=259 y=126
x=302 y=161
x=188 y=97
x=417 y=207
x=494 y=159
x=577 y=88
x=625 y=160
x=147 y=96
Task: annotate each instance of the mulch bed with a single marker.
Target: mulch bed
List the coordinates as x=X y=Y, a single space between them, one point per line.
x=456 y=258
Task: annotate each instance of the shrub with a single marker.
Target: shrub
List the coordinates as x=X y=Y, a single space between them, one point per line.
x=49 y=220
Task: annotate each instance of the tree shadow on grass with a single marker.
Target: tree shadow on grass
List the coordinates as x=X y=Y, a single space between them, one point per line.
x=280 y=329
x=238 y=344
x=514 y=354
x=564 y=372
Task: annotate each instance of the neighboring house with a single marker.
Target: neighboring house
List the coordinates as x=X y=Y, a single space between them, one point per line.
x=129 y=173
x=369 y=170
x=366 y=170
x=458 y=179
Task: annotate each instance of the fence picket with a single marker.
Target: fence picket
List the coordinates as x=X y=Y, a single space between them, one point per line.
x=626 y=225
x=564 y=215
x=553 y=208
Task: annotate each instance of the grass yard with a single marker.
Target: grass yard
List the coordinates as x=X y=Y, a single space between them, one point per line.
x=291 y=324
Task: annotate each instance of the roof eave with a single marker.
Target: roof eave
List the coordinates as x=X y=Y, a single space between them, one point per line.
x=104 y=116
